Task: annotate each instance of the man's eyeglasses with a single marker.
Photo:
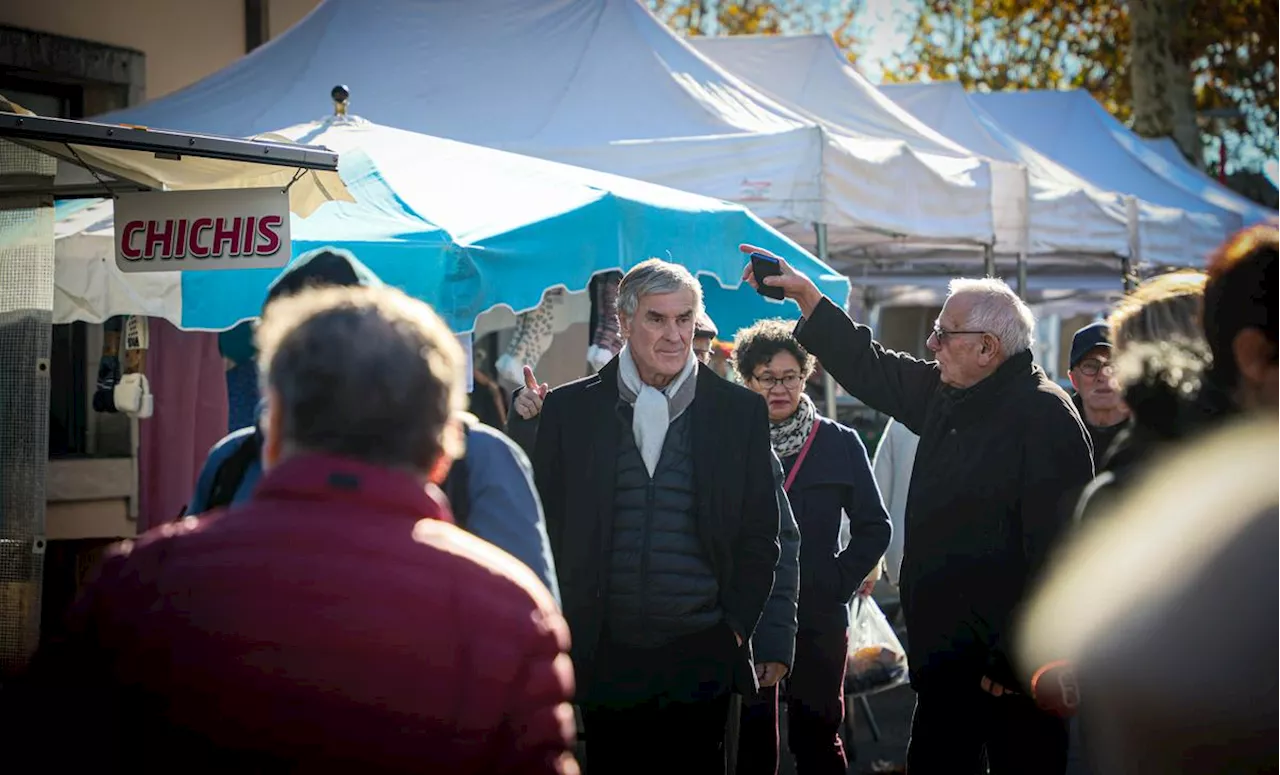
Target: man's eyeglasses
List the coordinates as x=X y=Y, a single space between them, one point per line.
x=1090 y=367
x=768 y=381
x=941 y=333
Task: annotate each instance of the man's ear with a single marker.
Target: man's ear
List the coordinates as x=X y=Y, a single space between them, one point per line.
x=1071 y=375
x=1254 y=354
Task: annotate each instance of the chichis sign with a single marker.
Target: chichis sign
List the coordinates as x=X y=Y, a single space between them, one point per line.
x=168 y=231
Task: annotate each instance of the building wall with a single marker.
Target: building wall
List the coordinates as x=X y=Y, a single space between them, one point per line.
x=182 y=42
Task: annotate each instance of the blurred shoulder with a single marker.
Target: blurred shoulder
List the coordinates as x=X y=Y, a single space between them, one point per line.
x=483 y=573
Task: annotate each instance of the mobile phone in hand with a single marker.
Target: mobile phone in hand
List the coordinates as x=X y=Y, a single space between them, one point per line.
x=763 y=266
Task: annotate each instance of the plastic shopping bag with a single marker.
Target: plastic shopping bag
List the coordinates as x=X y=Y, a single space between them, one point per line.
x=877 y=660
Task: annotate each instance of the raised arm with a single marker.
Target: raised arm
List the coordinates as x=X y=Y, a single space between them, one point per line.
x=891 y=382
x=894 y=383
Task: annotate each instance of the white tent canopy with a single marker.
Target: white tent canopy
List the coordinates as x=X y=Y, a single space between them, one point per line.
x=809 y=74
x=1175 y=167
x=596 y=83
x=1067 y=214
x=1071 y=128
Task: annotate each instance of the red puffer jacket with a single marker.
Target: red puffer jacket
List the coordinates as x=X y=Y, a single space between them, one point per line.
x=334 y=623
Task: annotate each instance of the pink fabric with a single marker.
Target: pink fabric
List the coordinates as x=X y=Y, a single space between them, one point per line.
x=189 y=383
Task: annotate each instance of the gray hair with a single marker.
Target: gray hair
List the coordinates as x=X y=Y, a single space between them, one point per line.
x=366 y=373
x=998 y=311
x=655 y=277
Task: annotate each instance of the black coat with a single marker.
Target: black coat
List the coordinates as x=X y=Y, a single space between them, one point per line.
x=835 y=480
x=574 y=464
x=989 y=497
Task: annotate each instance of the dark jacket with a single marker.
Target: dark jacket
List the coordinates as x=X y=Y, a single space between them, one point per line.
x=1171 y=400
x=336 y=621
x=574 y=464
x=835 y=480
x=660 y=587
x=1100 y=437
x=988 y=495
x=775 y=638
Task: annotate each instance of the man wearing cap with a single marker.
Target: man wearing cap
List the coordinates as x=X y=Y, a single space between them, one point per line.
x=1098 y=396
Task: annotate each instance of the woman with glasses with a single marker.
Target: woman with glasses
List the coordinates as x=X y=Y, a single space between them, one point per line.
x=828 y=480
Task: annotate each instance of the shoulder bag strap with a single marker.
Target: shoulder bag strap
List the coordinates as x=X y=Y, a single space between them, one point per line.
x=804 y=451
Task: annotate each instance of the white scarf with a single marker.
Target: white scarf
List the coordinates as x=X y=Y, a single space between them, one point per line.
x=652 y=409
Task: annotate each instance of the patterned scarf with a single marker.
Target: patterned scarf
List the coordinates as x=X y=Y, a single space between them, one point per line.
x=789 y=435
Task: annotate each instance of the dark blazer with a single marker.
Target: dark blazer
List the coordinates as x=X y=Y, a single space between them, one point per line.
x=574 y=465
x=834 y=478
x=991 y=492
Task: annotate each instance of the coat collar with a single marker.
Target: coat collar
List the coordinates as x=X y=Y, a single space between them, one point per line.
x=362 y=485
x=981 y=394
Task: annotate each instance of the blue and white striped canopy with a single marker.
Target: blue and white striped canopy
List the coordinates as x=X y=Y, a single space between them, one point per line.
x=462 y=227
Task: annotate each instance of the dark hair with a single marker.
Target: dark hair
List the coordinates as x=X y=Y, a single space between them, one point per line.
x=1240 y=294
x=757 y=344
x=323 y=268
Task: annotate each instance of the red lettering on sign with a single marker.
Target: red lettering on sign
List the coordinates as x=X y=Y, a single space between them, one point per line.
x=246 y=238
x=158 y=238
x=269 y=234
x=180 y=242
x=226 y=237
x=195 y=247
x=127 y=234
x=176 y=239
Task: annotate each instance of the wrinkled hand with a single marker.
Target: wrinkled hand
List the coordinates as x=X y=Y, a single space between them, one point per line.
x=794 y=285
x=868 y=586
x=529 y=403
x=770 y=673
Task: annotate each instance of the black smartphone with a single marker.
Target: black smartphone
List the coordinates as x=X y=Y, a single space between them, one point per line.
x=763 y=266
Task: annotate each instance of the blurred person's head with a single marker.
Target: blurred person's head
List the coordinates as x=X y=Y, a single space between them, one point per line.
x=982 y=324
x=367 y=374
x=1165 y=308
x=1240 y=316
x=773 y=363
x=321 y=268
x=1092 y=374
x=658 y=303
x=1176 y=655
x=704 y=336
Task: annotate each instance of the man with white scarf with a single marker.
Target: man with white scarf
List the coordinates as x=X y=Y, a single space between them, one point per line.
x=657 y=483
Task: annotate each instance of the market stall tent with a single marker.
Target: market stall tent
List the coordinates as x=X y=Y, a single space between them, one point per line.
x=808 y=73
x=1176 y=167
x=601 y=84
x=1071 y=128
x=463 y=227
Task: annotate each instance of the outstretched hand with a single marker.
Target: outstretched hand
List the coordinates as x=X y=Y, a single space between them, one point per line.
x=794 y=285
x=529 y=403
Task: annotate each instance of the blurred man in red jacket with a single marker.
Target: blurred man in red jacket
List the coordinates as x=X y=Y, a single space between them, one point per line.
x=337 y=621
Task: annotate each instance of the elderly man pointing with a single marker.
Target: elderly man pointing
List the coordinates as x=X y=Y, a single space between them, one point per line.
x=1001 y=450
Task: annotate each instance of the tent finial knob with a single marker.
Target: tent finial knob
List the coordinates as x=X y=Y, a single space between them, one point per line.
x=340 y=95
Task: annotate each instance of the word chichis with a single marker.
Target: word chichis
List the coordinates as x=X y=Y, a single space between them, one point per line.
x=201 y=238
